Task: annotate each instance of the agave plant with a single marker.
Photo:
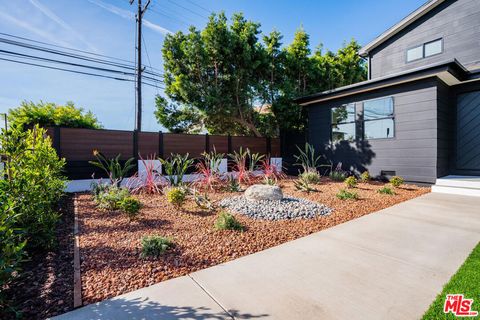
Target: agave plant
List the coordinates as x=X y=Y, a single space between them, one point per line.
x=112 y=167
x=176 y=167
x=208 y=169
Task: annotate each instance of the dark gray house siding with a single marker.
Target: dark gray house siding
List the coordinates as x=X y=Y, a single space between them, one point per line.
x=457 y=22
x=445 y=129
x=412 y=153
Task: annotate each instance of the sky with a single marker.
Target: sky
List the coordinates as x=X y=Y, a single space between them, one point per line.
x=107 y=27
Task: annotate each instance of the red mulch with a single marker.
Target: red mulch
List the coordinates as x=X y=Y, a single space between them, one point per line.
x=45 y=285
x=110 y=243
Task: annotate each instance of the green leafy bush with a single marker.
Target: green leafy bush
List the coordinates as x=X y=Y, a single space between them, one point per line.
x=176 y=196
x=110 y=198
x=343 y=194
x=131 y=206
x=226 y=221
x=51 y=114
x=351 y=182
x=338 y=175
x=176 y=167
x=386 y=190
x=155 y=246
x=396 y=181
x=112 y=167
x=311 y=176
x=365 y=176
x=34 y=181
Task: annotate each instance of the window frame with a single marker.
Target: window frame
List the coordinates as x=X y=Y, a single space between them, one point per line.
x=345 y=122
x=423 y=50
x=383 y=118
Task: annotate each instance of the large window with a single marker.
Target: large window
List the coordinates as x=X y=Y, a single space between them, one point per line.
x=343 y=123
x=378 y=119
x=425 y=50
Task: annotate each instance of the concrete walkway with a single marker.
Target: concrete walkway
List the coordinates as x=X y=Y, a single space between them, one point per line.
x=387 y=265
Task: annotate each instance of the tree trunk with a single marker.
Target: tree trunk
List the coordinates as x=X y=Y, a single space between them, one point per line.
x=249 y=126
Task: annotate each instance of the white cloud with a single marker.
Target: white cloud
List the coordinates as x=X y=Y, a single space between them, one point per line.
x=55 y=18
x=129 y=15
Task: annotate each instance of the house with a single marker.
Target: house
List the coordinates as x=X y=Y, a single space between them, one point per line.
x=418 y=114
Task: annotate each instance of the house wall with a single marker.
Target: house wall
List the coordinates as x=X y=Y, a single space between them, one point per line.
x=412 y=153
x=445 y=129
x=457 y=22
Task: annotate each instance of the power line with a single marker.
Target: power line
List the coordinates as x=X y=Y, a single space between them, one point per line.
x=199 y=6
x=156 y=11
x=148 y=58
x=188 y=9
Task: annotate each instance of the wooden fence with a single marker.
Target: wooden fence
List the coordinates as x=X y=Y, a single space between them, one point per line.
x=77 y=145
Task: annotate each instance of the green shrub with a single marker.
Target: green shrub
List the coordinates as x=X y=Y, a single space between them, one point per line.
x=176 y=167
x=386 y=190
x=34 y=181
x=51 y=114
x=345 y=195
x=396 y=181
x=337 y=175
x=112 y=167
x=155 y=246
x=303 y=185
x=111 y=198
x=131 y=206
x=365 y=176
x=351 y=182
x=176 y=196
x=311 y=176
x=226 y=221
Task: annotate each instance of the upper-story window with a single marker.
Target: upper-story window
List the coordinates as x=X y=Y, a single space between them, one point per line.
x=425 y=50
x=343 y=123
x=378 y=118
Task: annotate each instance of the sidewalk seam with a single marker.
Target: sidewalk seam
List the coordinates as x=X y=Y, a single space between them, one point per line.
x=211 y=297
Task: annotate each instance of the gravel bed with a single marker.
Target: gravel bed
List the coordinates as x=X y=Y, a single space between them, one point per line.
x=287 y=208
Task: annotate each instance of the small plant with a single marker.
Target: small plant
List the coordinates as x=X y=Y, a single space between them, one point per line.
x=351 y=182
x=176 y=196
x=98 y=188
x=131 y=206
x=396 y=181
x=208 y=169
x=240 y=159
x=226 y=221
x=149 y=181
x=271 y=171
x=155 y=246
x=111 y=197
x=386 y=190
x=339 y=176
x=365 y=176
x=202 y=201
x=303 y=185
x=343 y=194
x=271 y=181
x=176 y=167
x=307 y=158
x=112 y=167
x=311 y=176
x=233 y=185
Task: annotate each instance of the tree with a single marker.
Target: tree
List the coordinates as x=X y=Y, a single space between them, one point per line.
x=178 y=119
x=50 y=114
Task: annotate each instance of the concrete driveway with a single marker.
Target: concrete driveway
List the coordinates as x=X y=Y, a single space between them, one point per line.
x=386 y=265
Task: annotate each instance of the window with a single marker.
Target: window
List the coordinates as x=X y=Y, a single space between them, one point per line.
x=378 y=119
x=425 y=50
x=343 y=123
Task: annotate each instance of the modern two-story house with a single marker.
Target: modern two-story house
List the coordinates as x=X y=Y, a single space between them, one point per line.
x=418 y=114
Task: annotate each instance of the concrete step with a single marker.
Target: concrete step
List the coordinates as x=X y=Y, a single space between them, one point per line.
x=461 y=185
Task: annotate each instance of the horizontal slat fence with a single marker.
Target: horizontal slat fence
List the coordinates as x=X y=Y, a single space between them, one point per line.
x=77 y=146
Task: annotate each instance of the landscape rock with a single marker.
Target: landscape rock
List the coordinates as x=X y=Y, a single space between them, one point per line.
x=260 y=192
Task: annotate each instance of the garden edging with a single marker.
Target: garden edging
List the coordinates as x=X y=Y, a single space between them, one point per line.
x=77 y=278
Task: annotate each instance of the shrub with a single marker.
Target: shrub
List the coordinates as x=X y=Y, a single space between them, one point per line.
x=112 y=167
x=98 y=187
x=110 y=198
x=365 y=176
x=150 y=181
x=176 y=196
x=51 y=114
x=208 y=169
x=303 y=185
x=345 y=195
x=176 y=167
x=34 y=181
x=396 y=181
x=130 y=205
x=202 y=201
x=307 y=158
x=386 y=190
x=240 y=159
x=226 y=221
x=155 y=246
x=311 y=176
x=233 y=185
x=337 y=175
x=351 y=182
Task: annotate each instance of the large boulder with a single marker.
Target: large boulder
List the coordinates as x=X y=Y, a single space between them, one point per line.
x=263 y=192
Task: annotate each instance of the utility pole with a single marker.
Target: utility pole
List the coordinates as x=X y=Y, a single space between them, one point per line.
x=138 y=100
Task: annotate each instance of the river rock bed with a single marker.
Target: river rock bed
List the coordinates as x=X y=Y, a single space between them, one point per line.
x=287 y=208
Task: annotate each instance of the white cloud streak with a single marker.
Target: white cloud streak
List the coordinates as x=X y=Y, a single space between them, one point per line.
x=129 y=15
x=62 y=23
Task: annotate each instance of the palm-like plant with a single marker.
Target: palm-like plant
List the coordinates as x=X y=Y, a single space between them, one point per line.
x=112 y=167
x=176 y=167
x=307 y=158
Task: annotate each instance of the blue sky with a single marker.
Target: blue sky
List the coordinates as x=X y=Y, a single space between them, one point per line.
x=105 y=27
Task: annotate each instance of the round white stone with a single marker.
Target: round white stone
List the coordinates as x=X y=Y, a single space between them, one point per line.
x=259 y=192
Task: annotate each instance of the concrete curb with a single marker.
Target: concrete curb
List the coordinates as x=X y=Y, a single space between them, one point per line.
x=77 y=279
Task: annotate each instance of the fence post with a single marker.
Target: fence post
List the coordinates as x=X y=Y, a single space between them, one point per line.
x=229 y=141
x=135 y=144
x=160 y=144
x=207 y=143
x=269 y=146
x=57 y=141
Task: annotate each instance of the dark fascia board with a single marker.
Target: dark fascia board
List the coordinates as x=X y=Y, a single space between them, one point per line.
x=453 y=67
x=405 y=22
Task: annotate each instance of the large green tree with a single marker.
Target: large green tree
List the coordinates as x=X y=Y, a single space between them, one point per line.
x=225 y=79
